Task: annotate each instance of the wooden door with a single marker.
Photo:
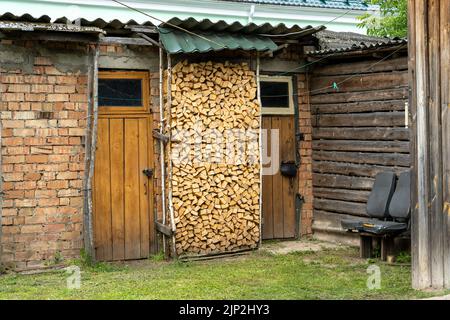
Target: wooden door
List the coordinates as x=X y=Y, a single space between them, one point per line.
x=123 y=191
x=279 y=192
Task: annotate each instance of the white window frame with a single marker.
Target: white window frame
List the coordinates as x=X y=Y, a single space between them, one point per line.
x=280 y=111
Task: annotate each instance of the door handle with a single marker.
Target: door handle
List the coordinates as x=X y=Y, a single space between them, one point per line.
x=148 y=172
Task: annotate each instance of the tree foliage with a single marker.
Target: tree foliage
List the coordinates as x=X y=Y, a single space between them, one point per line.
x=392 y=21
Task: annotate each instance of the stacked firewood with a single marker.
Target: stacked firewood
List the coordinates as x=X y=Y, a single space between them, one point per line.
x=215 y=180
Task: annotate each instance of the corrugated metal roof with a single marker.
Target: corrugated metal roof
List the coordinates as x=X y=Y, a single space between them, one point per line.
x=98 y=23
x=336 y=4
x=236 y=27
x=362 y=46
x=190 y=24
x=175 y=41
x=41 y=26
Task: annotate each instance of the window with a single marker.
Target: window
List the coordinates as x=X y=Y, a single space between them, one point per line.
x=123 y=91
x=276 y=95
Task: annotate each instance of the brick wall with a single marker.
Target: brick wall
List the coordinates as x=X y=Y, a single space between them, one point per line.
x=305 y=170
x=42 y=159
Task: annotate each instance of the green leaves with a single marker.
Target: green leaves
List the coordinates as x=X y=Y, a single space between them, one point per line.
x=392 y=20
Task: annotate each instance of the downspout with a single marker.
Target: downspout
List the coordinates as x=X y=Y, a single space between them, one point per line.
x=91 y=145
x=169 y=119
x=258 y=88
x=251 y=13
x=161 y=143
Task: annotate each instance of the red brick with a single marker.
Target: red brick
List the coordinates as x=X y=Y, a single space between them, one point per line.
x=32 y=228
x=57 y=184
x=45 y=194
x=35 y=97
x=55 y=158
x=68 y=123
x=24 y=132
x=67 y=175
x=18 y=176
x=13 y=124
x=55 y=97
x=13 y=97
x=48 y=202
x=17 y=150
x=12 y=141
x=55 y=227
x=78 y=97
x=39 y=158
x=66 y=80
x=65 y=89
x=32 y=176
x=13 y=159
x=19 y=88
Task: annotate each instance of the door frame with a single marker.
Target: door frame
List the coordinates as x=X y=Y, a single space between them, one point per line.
x=298 y=137
x=133 y=112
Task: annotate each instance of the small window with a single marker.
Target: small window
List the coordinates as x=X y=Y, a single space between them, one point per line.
x=122 y=91
x=276 y=95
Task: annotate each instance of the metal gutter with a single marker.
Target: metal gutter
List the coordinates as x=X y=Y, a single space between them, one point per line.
x=104 y=12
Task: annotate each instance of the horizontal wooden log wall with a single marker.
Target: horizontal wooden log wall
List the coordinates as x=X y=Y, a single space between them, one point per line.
x=358 y=131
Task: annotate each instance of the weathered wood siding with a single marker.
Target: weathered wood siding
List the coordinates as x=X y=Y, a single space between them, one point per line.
x=429 y=47
x=358 y=131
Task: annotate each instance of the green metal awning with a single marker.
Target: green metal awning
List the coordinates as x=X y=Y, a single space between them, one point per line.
x=178 y=41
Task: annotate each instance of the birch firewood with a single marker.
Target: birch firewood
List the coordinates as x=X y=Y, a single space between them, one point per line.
x=215 y=178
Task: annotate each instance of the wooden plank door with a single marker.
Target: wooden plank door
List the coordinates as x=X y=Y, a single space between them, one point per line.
x=279 y=217
x=123 y=210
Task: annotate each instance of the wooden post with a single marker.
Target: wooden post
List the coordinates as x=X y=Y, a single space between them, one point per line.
x=429 y=70
x=169 y=120
x=258 y=84
x=161 y=143
x=421 y=216
x=91 y=144
x=435 y=140
x=387 y=248
x=365 y=247
x=445 y=120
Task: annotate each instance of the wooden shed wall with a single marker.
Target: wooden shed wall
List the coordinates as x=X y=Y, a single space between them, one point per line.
x=358 y=131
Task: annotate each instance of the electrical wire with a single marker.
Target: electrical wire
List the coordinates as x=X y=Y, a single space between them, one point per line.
x=336 y=83
x=169 y=24
x=287 y=34
x=299 y=32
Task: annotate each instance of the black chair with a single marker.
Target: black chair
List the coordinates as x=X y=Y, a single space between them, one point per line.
x=389 y=207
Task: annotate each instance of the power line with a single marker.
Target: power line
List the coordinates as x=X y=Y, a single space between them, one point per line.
x=334 y=83
x=287 y=34
x=168 y=23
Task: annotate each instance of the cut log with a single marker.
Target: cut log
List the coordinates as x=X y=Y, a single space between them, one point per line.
x=215 y=191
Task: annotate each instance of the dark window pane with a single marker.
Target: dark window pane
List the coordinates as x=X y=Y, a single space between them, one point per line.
x=120 y=92
x=274 y=94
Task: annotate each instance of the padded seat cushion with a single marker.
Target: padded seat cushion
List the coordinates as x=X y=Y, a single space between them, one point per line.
x=355 y=225
x=400 y=205
x=381 y=194
x=384 y=227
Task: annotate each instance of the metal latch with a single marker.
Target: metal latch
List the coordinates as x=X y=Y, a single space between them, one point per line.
x=148 y=172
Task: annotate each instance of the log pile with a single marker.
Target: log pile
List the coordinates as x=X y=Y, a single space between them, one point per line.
x=215 y=195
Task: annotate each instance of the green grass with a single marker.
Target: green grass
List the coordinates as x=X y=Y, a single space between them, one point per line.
x=329 y=274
